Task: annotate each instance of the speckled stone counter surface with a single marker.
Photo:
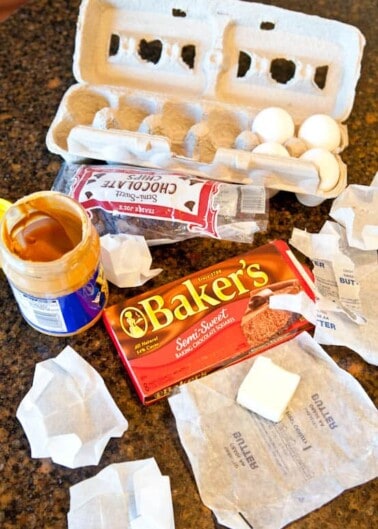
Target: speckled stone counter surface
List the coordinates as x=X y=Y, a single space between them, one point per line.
x=36 y=48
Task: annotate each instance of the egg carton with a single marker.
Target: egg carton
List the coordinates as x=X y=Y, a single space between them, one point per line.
x=179 y=85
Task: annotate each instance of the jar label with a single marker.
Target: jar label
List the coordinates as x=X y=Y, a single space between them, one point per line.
x=65 y=314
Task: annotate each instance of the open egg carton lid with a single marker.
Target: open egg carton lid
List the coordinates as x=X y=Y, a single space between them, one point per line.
x=180 y=84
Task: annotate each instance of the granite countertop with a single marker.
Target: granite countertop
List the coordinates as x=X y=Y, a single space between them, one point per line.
x=36 y=48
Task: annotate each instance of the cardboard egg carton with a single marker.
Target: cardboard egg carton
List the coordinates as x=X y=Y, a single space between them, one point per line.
x=178 y=84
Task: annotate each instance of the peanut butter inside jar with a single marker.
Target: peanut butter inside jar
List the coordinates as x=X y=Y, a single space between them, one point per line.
x=38 y=236
x=51 y=253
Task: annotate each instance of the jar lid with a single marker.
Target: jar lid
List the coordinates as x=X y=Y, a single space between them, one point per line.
x=4 y=205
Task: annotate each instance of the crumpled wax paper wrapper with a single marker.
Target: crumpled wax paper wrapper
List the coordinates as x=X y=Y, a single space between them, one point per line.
x=131 y=495
x=68 y=414
x=346 y=283
x=356 y=208
x=253 y=472
x=126 y=260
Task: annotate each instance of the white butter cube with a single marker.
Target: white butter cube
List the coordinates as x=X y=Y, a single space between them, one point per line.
x=267 y=389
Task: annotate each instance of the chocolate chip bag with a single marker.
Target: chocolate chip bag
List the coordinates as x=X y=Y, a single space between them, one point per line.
x=164 y=206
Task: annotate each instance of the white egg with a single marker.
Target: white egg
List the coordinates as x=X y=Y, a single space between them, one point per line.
x=272 y=148
x=320 y=130
x=328 y=167
x=273 y=124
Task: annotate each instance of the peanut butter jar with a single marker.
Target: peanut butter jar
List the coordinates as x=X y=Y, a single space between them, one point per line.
x=50 y=253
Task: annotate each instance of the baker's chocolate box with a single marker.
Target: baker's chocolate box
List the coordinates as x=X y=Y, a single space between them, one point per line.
x=207 y=320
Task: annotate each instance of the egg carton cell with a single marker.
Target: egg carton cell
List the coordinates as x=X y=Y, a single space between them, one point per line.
x=217 y=130
x=173 y=122
x=129 y=114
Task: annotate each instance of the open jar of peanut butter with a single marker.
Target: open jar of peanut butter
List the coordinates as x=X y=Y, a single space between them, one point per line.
x=51 y=256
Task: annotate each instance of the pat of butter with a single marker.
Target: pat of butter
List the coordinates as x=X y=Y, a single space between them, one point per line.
x=267 y=389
